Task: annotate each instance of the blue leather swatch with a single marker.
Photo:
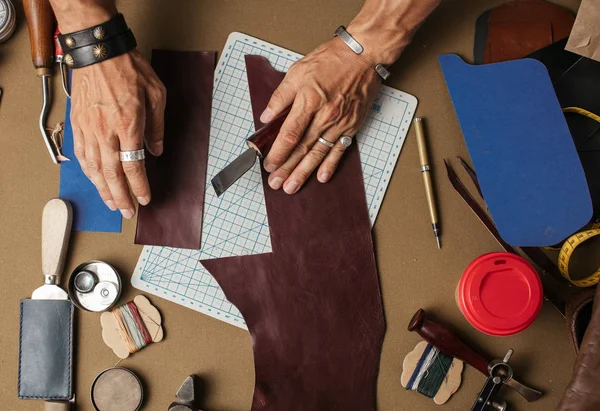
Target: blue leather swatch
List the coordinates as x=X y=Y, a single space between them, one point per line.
x=89 y=211
x=520 y=145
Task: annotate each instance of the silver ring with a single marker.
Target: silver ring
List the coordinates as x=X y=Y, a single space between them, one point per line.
x=327 y=143
x=346 y=141
x=132 y=155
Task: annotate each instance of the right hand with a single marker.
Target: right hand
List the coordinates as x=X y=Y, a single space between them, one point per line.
x=116 y=105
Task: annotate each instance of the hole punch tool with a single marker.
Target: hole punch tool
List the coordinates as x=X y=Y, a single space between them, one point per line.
x=186 y=397
x=500 y=372
x=450 y=343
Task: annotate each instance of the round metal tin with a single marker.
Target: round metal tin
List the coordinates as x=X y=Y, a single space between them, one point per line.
x=105 y=291
x=117 y=389
x=8 y=20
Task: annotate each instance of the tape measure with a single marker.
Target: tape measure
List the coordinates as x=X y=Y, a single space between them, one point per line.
x=569 y=246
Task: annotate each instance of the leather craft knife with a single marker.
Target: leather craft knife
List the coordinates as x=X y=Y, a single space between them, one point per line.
x=259 y=145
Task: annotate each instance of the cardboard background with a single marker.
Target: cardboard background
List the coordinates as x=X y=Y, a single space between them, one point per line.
x=413 y=273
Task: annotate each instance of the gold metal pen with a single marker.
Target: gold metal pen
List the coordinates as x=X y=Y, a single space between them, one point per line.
x=426 y=171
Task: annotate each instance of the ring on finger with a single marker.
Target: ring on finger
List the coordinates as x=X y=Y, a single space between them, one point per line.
x=132 y=155
x=325 y=142
x=346 y=141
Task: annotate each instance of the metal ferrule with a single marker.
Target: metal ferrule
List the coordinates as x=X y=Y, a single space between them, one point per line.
x=425 y=167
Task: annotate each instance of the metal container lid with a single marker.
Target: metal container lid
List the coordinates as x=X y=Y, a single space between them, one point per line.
x=8 y=20
x=94 y=286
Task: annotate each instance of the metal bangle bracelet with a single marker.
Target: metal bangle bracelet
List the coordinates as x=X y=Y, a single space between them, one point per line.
x=357 y=48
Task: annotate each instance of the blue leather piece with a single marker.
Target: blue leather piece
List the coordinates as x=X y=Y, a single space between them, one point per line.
x=89 y=211
x=46 y=349
x=528 y=168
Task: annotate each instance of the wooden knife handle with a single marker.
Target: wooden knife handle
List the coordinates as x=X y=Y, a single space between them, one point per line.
x=263 y=139
x=41 y=23
x=447 y=341
x=57 y=406
x=56 y=230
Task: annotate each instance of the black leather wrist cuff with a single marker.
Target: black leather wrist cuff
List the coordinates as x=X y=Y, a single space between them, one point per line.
x=101 y=51
x=93 y=35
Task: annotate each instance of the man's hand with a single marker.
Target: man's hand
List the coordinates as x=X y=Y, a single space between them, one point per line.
x=116 y=105
x=331 y=91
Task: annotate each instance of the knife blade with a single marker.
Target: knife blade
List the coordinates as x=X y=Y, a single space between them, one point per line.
x=259 y=145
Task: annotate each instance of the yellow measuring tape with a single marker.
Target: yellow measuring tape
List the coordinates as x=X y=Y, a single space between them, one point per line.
x=566 y=251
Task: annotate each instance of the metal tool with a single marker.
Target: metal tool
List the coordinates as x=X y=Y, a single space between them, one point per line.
x=57 y=218
x=451 y=344
x=426 y=172
x=41 y=23
x=259 y=145
x=8 y=20
x=94 y=286
x=488 y=399
x=186 y=397
x=556 y=288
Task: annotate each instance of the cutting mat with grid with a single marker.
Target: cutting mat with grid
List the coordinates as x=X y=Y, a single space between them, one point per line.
x=236 y=223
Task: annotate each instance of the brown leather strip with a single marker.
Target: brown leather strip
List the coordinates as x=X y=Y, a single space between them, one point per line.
x=178 y=177
x=313 y=305
x=583 y=394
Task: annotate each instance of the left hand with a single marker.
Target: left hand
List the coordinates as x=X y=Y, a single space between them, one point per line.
x=331 y=91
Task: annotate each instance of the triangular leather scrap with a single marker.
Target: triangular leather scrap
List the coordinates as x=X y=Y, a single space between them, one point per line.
x=313 y=305
x=513 y=30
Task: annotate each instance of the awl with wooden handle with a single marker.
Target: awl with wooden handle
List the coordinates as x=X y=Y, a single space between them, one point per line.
x=451 y=344
x=41 y=25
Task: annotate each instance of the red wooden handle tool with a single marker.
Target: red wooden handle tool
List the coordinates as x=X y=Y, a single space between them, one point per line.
x=40 y=22
x=263 y=139
x=447 y=341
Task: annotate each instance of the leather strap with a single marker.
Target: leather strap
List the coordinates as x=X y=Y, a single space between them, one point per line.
x=96 y=53
x=93 y=35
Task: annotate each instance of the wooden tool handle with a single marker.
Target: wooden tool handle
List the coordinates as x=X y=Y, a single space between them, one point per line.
x=263 y=139
x=40 y=21
x=57 y=406
x=447 y=341
x=56 y=229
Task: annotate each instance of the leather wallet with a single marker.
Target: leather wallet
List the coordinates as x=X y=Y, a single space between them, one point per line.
x=46 y=350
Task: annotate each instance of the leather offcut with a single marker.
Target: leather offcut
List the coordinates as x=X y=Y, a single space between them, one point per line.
x=313 y=305
x=178 y=177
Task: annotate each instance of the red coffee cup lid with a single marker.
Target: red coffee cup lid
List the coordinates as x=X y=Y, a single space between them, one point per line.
x=500 y=294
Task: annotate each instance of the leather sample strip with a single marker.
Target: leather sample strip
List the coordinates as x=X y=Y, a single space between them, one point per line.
x=585 y=36
x=313 y=305
x=178 y=177
x=582 y=393
x=518 y=28
x=89 y=211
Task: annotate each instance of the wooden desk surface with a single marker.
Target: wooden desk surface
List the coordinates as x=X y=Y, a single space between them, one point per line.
x=413 y=272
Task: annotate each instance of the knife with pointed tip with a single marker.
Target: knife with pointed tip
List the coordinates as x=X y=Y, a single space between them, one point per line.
x=259 y=145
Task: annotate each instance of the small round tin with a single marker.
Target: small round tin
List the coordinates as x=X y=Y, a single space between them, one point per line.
x=500 y=294
x=94 y=286
x=8 y=20
x=117 y=389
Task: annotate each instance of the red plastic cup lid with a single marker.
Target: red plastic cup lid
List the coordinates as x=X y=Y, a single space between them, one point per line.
x=500 y=294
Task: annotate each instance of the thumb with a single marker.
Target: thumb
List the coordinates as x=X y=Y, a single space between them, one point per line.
x=281 y=99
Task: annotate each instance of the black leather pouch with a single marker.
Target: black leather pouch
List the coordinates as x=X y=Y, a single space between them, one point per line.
x=46 y=350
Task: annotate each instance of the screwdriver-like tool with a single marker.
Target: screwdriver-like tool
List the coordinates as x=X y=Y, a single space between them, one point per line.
x=41 y=25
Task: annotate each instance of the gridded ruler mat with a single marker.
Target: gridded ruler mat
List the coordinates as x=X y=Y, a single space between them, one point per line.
x=236 y=223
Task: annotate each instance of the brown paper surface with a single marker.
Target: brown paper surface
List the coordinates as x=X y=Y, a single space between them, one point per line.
x=585 y=37
x=413 y=273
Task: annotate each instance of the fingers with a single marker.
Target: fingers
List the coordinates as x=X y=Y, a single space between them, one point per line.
x=282 y=97
x=155 y=118
x=332 y=160
x=115 y=177
x=307 y=165
x=93 y=160
x=290 y=135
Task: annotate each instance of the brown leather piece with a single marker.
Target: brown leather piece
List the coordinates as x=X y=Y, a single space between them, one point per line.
x=583 y=392
x=521 y=27
x=178 y=177
x=313 y=305
x=578 y=315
